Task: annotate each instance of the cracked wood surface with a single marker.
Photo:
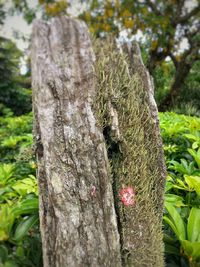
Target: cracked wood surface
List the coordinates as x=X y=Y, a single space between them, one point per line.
x=77 y=216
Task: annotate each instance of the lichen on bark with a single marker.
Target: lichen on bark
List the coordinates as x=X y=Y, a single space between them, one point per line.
x=135 y=152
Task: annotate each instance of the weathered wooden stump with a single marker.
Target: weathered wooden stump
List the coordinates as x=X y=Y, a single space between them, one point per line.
x=100 y=162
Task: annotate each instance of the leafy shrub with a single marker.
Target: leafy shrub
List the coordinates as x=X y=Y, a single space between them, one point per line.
x=181 y=136
x=14 y=87
x=19 y=225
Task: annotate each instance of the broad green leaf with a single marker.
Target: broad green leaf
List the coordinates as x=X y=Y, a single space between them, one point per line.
x=168 y=186
x=171 y=224
x=3 y=253
x=177 y=221
x=10 y=141
x=27 y=206
x=6 y=222
x=174 y=199
x=191 y=249
x=3 y=235
x=193 y=226
x=193 y=182
x=190 y=137
x=20 y=250
x=24 y=226
x=196 y=155
x=195 y=145
x=25 y=186
x=6 y=173
x=184 y=167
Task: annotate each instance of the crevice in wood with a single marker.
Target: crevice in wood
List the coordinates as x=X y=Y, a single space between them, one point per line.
x=113 y=150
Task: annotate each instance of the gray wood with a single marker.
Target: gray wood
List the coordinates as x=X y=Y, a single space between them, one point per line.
x=77 y=215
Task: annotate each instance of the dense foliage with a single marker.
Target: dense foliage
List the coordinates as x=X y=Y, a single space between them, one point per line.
x=14 y=93
x=19 y=234
x=165 y=26
x=181 y=136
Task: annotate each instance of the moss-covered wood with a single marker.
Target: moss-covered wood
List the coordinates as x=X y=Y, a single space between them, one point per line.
x=127 y=112
x=97 y=137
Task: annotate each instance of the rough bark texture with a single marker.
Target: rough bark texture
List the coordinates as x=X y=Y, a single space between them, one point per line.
x=77 y=216
x=128 y=114
x=96 y=132
x=137 y=67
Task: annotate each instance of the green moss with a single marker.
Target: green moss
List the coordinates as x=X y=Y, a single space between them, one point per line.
x=133 y=156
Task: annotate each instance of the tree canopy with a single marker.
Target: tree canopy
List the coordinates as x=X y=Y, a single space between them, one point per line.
x=13 y=95
x=171 y=30
x=165 y=24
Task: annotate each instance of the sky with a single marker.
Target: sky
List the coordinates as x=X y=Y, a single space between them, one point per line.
x=16 y=23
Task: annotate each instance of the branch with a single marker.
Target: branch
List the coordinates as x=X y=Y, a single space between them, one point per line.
x=173 y=58
x=190 y=34
x=153 y=7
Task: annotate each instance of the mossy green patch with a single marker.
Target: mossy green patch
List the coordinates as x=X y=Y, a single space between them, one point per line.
x=123 y=112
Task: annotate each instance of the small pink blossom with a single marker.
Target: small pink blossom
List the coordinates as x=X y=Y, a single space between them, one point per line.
x=127 y=196
x=93 y=191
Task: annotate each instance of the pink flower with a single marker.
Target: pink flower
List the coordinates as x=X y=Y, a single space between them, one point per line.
x=127 y=196
x=93 y=191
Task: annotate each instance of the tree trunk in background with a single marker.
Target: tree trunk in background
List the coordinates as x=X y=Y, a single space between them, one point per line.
x=182 y=72
x=83 y=131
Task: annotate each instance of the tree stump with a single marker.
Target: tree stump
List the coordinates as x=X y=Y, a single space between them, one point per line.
x=99 y=153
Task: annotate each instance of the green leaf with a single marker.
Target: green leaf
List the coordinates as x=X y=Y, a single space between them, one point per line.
x=176 y=222
x=24 y=226
x=196 y=155
x=10 y=141
x=184 y=167
x=27 y=206
x=190 y=137
x=193 y=226
x=6 y=173
x=191 y=249
x=172 y=225
x=6 y=222
x=3 y=253
x=168 y=239
x=193 y=182
x=20 y=251
x=170 y=249
x=195 y=145
x=25 y=186
x=10 y=263
x=174 y=199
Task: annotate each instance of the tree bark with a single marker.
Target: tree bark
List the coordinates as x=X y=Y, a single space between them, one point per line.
x=135 y=153
x=97 y=133
x=182 y=72
x=77 y=216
